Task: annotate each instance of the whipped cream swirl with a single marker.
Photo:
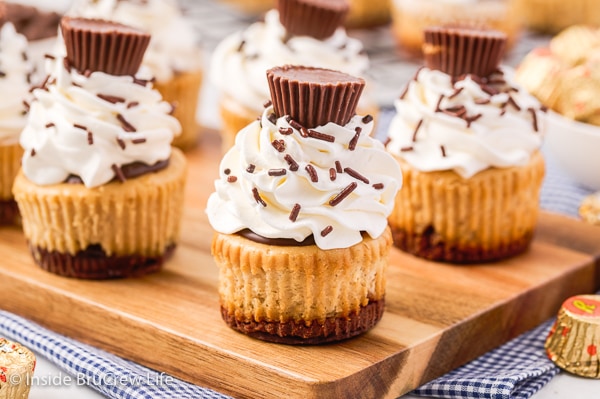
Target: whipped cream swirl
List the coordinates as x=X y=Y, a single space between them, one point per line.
x=240 y=61
x=466 y=125
x=283 y=181
x=90 y=126
x=15 y=74
x=173 y=47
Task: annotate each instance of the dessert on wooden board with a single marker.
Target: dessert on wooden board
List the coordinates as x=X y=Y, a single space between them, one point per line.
x=16 y=70
x=298 y=32
x=101 y=188
x=173 y=55
x=300 y=214
x=467 y=138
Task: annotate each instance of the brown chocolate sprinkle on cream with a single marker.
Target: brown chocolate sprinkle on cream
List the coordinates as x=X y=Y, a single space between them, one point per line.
x=78 y=126
x=417 y=130
x=482 y=101
x=457 y=112
x=326 y=231
x=2 y=74
x=456 y=92
x=277 y=172
x=49 y=125
x=272 y=118
x=143 y=82
x=90 y=138
x=489 y=89
x=294 y=213
x=503 y=111
x=241 y=46
x=512 y=102
x=338 y=167
x=378 y=186
x=367 y=119
x=404 y=92
x=49 y=56
x=67 y=65
x=111 y=99
x=279 y=145
x=304 y=132
x=343 y=194
x=295 y=125
x=332 y=174
x=354 y=140
x=293 y=164
x=118 y=172
x=543 y=108
x=87 y=73
x=407 y=149
x=227 y=171
x=133 y=104
x=121 y=143
x=533 y=118
x=139 y=140
x=443 y=149
x=388 y=140
x=26 y=105
x=356 y=175
x=250 y=168
x=267 y=104
x=312 y=172
x=321 y=136
x=257 y=197
x=439 y=102
x=471 y=119
x=231 y=179
x=128 y=127
x=33 y=152
x=286 y=130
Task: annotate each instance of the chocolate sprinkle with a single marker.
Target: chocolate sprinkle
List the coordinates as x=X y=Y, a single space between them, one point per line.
x=534 y=118
x=272 y=118
x=279 y=145
x=277 y=172
x=312 y=172
x=471 y=119
x=304 y=132
x=67 y=65
x=332 y=174
x=482 y=101
x=343 y=194
x=90 y=138
x=456 y=92
x=338 y=167
x=49 y=125
x=231 y=179
x=250 y=168
x=121 y=143
x=406 y=149
x=118 y=172
x=78 y=126
x=354 y=140
x=257 y=197
x=286 y=130
x=417 y=130
x=2 y=74
x=49 y=56
x=227 y=171
x=404 y=92
x=356 y=175
x=367 y=119
x=133 y=104
x=267 y=104
x=241 y=46
x=326 y=230
x=111 y=99
x=26 y=105
x=294 y=213
x=128 y=127
x=512 y=102
x=443 y=149
x=295 y=125
x=293 y=164
x=439 y=102
x=321 y=136
x=139 y=140
x=488 y=89
x=378 y=186
x=33 y=152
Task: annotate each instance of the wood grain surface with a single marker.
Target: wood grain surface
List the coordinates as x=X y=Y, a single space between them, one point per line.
x=437 y=316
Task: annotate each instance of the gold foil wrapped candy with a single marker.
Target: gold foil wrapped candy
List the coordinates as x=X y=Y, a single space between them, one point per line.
x=575 y=337
x=17 y=364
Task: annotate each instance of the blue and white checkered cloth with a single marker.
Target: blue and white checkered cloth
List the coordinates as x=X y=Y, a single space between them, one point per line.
x=515 y=370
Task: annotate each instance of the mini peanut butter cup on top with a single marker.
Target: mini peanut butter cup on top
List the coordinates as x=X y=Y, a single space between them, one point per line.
x=314 y=96
x=463 y=50
x=315 y=18
x=104 y=46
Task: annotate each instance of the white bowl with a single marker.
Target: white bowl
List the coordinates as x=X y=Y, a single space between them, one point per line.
x=576 y=148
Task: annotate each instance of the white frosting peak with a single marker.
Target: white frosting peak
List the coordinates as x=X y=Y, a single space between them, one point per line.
x=79 y=126
x=465 y=126
x=261 y=183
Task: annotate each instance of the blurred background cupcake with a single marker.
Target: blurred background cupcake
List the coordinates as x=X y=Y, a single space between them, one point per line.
x=298 y=32
x=551 y=16
x=173 y=56
x=410 y=17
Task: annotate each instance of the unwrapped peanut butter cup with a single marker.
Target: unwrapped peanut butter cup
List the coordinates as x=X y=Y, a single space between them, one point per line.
x=574 y=340
x=314 y=96
x=463 y=50
x=315 y=18
x=98 y=45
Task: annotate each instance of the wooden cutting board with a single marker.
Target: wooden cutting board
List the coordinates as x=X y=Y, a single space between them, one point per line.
x=437 y=316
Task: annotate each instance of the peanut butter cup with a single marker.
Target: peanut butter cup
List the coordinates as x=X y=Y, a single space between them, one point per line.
x=98 y=45
x=463 y=50
x=314 y=96
x=315 y=18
